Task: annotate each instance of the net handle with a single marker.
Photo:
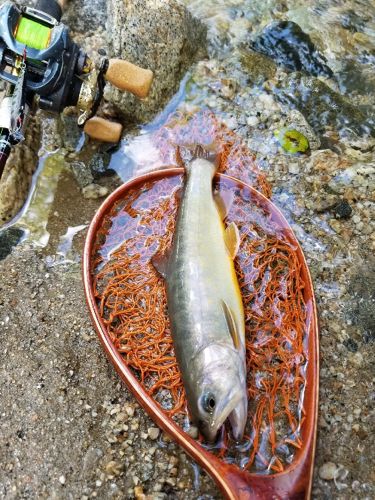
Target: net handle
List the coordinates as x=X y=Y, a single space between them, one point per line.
x=129 y=77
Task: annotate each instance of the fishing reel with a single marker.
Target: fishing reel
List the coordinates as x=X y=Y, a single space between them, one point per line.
x=42 y=66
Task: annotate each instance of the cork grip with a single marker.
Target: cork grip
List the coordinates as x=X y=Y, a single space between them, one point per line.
x=103 y=130
x=127 y=76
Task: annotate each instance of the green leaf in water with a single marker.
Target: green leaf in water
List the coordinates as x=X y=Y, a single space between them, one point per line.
x=292 y=141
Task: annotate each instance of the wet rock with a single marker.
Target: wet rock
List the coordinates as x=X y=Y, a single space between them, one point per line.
x=342 y=210
x=288 y=45
x=351 y=345
x=70 y=132
x=356 y=78
x=99 y=165
x=259 y=68
x=82 y=173
x=323 y=107
x=16 y=179
x=162 y=36
x=9 y=238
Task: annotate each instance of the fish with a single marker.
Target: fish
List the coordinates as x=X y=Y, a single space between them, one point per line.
x=205 y=305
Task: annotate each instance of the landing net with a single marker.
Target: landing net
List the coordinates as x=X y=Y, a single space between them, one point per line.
x=131 y=298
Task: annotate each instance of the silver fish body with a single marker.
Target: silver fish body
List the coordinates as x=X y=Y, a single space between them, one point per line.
x=205 y=309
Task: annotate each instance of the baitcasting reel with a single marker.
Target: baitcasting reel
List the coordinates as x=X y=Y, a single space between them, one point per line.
x=42 y=65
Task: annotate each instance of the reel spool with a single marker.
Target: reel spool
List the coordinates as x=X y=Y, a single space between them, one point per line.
x=57 y=71
x=32 y=34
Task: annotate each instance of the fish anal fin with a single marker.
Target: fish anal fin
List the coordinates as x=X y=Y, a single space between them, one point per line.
x=231 y=325
x=224 y=201
x=232 y=239
x=160 y=263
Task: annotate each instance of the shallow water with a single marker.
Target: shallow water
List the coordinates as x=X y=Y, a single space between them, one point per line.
x=223 y=84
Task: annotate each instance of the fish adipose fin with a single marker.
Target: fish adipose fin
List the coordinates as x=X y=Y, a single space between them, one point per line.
x=224 y=201
x=231 y=325
x=232 y=239
x=160 y=263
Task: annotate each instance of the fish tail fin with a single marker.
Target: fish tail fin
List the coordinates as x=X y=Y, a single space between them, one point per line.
x=206 y=152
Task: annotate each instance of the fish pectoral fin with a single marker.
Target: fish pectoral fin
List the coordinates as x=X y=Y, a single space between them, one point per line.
x=224 y=201
x=160 y=263
x=232 y=239
x=231 y=325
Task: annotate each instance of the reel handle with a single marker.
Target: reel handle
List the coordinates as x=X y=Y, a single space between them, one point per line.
x=127 y=76
x=103 y=130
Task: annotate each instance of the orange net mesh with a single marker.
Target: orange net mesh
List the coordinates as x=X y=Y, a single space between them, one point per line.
x=131 y=298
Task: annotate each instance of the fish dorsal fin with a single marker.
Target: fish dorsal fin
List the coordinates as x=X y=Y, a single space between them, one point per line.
x=224 y=201
x=232 y=239
x=231 y=325
x=160 y=262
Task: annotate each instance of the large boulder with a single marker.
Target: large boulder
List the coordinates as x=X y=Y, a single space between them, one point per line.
x=160 y=35
x=16 y=179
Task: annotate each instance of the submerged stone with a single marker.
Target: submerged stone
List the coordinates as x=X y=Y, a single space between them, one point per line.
x=342 y=210
x=323 y=107
x=259 y=68
x=288 y=45
x=99 y=165
x=9 y=238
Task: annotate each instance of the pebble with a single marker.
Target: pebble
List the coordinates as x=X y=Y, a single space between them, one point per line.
x=138 y=493
x=94 y=191
x=328 y=471
x=293 y=168
x=342 y=210
x=193 y=432
x=252 y=121
x=153 y=433
x=357 y=359
x=62 y=479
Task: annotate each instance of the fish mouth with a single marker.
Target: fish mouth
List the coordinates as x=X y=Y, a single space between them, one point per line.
x=235 y=411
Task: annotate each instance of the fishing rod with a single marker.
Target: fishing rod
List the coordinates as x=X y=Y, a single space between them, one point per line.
x=44 y=68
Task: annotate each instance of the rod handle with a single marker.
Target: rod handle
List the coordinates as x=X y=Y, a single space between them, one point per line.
x=103 y=130
x=127 y=76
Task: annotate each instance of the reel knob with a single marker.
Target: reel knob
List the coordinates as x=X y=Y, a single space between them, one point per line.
x=127 y=76
x=103 y=130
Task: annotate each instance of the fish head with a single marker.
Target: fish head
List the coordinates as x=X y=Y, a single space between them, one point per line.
x=220 y=391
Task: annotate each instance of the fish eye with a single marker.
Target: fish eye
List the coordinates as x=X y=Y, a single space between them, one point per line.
x=209 y=403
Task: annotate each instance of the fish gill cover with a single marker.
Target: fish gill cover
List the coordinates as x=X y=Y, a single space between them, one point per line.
x=131 y=298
